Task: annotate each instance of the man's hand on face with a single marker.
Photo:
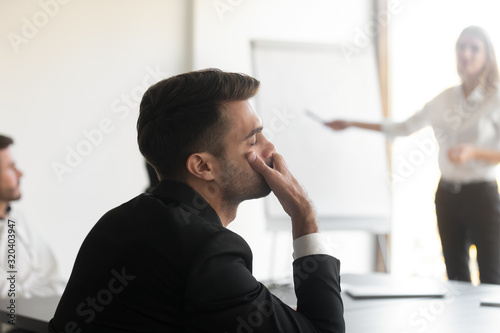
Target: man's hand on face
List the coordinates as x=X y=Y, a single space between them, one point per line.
x=289 y=192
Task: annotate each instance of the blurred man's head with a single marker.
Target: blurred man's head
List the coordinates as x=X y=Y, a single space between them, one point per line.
x=10 y=175
x=200 y=125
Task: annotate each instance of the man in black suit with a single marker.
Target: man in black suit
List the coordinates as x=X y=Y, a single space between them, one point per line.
x=165 y=262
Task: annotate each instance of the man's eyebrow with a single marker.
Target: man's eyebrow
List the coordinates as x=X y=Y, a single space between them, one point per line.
x=253 y=132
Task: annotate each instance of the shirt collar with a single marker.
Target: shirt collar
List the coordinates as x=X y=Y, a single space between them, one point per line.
x=475 y=97
x=184 y=194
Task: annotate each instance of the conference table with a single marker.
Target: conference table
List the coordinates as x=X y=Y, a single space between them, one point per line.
x=458 y=311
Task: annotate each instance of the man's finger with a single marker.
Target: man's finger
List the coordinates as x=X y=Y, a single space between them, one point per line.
x=279 y=162
x=258 y=164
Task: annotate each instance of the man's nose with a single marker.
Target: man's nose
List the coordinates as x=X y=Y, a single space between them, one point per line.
x=268 y=150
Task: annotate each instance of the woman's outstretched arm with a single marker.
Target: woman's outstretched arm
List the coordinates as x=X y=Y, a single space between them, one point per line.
x=338 y=125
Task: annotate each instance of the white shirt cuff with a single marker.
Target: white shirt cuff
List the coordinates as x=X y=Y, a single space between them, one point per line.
x=310 y=244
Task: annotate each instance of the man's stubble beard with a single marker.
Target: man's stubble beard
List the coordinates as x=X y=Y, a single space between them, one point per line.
x=239 y=185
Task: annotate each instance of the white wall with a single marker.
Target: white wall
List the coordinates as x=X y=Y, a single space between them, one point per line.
x=72 y=74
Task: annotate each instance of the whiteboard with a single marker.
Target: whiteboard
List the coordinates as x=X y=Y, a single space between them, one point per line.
x=345 y=173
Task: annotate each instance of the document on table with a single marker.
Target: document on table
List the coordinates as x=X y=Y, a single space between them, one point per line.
x=491 y=301
x=395 y=291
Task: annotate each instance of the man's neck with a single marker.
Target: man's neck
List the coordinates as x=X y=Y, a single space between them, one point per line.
x=3 y=209
x=226 y=212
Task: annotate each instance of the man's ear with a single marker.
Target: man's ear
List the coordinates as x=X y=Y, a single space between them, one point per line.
x=201 y=165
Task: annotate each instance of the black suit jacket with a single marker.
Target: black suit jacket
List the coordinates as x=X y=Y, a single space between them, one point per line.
x=163 y=262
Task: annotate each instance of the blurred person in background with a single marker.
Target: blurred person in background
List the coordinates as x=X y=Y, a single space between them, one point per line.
x=466 y=123
x=21 y=247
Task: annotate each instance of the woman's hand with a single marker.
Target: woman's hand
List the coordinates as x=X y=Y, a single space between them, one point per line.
x=462 y=153
x=338 y=125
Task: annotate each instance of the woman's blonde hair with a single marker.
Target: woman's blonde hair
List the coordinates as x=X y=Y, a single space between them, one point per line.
x=489 y=76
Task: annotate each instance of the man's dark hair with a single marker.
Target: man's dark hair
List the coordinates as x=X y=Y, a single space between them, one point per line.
x=184 y=114
x=5 y=141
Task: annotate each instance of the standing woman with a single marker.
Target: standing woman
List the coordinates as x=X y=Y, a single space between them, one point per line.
x=467 y=120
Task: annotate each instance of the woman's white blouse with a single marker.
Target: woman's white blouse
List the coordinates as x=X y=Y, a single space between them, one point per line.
x=456 y=120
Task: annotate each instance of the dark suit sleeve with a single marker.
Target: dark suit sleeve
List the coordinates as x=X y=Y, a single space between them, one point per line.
x=223 y=296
